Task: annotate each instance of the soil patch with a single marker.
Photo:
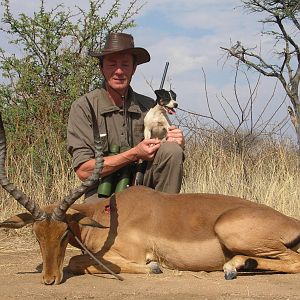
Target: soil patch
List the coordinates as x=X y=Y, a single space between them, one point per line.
x=20 y=278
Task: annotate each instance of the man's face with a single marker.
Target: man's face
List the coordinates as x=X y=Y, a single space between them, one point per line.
x=118 y=70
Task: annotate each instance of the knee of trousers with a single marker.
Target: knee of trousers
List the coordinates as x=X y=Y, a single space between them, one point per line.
x=171 y=151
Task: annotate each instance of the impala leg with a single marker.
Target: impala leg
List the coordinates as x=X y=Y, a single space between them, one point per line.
x=84 y=264
x=286 y=262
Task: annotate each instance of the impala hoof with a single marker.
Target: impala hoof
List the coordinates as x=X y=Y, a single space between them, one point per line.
x=154 y=267
x=230 y=275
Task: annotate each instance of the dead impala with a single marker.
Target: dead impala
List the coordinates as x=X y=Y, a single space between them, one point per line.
x=144 y=229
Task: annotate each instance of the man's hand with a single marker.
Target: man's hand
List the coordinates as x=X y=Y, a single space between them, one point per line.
x=175 y=134
x=147 y=149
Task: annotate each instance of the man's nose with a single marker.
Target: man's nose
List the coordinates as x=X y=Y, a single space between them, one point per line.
x=119 y=70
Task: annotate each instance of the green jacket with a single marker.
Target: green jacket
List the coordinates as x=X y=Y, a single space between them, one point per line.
x=122 y=129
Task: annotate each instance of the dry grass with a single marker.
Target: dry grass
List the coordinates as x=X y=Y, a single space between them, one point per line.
x=44 y=177
x=265 y=173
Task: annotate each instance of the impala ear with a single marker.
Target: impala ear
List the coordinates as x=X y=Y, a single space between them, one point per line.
x=86 y=221
x=83 y=220
x=18 y=221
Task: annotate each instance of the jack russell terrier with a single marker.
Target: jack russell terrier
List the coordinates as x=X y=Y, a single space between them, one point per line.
x=156 y=122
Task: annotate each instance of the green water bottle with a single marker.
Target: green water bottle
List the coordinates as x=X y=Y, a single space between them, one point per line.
x=123 y=179
x=106 y=186
x=124 y=175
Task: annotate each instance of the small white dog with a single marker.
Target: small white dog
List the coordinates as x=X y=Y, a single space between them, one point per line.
x=156 y=122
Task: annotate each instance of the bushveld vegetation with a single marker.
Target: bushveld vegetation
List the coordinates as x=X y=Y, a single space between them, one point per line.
x=53 y=70
x=267 y=172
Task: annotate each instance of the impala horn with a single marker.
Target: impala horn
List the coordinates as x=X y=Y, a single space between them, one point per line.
x=28 y=203
x=60 y=211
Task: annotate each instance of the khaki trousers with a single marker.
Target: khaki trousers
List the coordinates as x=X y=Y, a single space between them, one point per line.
x=165 y=172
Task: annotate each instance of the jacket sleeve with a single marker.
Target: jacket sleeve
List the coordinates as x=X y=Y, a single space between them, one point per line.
x=80 y=142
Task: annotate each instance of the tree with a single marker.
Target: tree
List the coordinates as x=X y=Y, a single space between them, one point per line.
x=48 y=71
x=53 y=68
x=283 y=15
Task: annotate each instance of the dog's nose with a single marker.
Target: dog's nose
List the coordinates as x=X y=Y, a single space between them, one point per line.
x=175 y=105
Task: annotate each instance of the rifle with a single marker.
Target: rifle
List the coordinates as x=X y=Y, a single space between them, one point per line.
x=164 y=75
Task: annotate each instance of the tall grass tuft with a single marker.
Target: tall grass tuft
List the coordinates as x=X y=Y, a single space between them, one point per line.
x=42 y=171
x=266 y=171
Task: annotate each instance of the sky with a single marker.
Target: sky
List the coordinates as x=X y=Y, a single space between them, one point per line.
x=189 y=34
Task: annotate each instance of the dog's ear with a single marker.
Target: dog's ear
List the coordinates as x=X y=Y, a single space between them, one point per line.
x=173 y=95
x=162 y=94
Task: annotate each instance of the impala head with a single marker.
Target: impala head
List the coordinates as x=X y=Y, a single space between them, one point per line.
x=53 y=237
x=51 y=223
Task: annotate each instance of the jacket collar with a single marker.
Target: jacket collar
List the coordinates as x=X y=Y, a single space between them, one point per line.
x=107 y=106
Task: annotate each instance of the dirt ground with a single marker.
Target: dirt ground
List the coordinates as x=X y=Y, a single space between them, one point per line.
x=20 y=278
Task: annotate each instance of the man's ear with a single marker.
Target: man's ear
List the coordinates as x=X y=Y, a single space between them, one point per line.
x=101 y=68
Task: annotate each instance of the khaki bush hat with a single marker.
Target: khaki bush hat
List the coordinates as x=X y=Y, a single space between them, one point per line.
x=122 y=43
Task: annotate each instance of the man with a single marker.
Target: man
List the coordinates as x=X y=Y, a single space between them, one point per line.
x=120 y=113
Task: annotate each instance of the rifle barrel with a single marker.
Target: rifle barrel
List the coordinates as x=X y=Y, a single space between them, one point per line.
x=164 y=75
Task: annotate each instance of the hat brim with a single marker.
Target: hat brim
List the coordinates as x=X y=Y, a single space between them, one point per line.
x=141 y=55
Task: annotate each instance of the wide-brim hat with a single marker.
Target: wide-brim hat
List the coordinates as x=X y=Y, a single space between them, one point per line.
x=122 y=43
